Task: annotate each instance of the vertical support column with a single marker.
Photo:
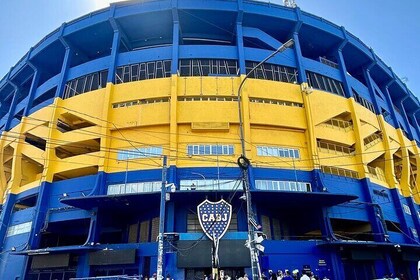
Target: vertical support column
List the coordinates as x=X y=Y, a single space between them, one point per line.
x=298 y=51
x=173 y=122
x=175 y=37
x=371 y=88
x=32 y=90
x=389 y=160
x=390 y=104
x=105 y=153
x=374 y=212
x=114 y=56
x=83 y=268
x=401 y=217
x=326 y=228
x=240 y=39
x=400 y=106
x=310 y=133
x=416 y=123
x=360 y=148
x=240 y=47
x=416 y=189
x=343 y=70
x=65 y=66
x=414 y=214
x=11 y=113
x=405 y=174
x=342 y=64
x=5 y=218
x=115 y=46
x=40 y=214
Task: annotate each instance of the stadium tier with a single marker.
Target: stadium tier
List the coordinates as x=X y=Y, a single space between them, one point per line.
x=88 y=114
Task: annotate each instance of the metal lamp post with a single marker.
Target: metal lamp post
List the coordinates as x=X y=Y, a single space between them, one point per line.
x=244 y=163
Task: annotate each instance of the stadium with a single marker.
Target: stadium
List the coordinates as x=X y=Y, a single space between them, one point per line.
x=89 y=115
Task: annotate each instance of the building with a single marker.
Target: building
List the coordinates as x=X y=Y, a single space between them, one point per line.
x=86 y=115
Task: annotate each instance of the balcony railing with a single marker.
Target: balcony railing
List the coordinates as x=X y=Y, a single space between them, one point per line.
x=377 y=173
x=339 y=124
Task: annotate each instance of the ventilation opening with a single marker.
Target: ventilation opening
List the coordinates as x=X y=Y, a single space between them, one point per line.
x=373 y=139
x=19 y=115
x=392 y=226
x=36 y=141
x=66 y=233
x=256 y=43
x=413 y=173
x=31 y=170
x=25 y=203
x=328 y=146
x=376 y=168
x=69 y=122
x=398 y=167
x=352 y=230
x=8 y=162
x=78 y=148
x=75 y=173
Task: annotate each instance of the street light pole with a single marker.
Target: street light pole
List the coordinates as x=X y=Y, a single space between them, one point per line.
x=162 y=221
x=244 y=163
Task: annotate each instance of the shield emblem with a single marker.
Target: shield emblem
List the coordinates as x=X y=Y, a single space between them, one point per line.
x=214 y=217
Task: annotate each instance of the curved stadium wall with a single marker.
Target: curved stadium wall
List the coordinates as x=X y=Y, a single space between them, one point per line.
x=87 y=114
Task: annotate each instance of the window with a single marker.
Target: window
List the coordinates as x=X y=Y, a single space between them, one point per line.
x=139 y=187
x=19 y=229
x=406 y=209
x=327 y=147
x=324 y=83
x=203 y=149
x=85 y=83
x=275 y=102
x=363 y=101
x=208 y=98
x=140 y=102
x=289 y=186
x=208 y=67
x=208 y=184
x=272 y=72
x=144 y=152
x=339 y=171
x=143 y=71
x=277 y=152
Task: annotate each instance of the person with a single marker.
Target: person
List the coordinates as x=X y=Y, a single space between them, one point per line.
x=305 y=276
x=313 y=277
x=246 y=277
x=154 y=276
x=295 y=274
x=271 y=275
x=263 y=276
x=279 y=274
x=287 y=275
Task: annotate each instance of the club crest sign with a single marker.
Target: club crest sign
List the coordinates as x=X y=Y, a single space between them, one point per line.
x=214 y=218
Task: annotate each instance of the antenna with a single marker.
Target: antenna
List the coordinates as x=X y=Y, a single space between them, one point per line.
x=290 y=3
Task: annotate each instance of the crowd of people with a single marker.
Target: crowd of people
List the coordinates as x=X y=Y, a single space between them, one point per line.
x=294 y=275
x=280 y=275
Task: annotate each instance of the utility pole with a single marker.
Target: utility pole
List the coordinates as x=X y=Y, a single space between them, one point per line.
x=159 y=271
x=244 y=163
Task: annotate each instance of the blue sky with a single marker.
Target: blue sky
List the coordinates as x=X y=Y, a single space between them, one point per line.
x=391 y=28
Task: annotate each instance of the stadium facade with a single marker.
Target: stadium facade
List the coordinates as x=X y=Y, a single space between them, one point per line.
x=86 y=115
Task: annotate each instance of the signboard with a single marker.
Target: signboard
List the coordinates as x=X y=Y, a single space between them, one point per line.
x=214 y=218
